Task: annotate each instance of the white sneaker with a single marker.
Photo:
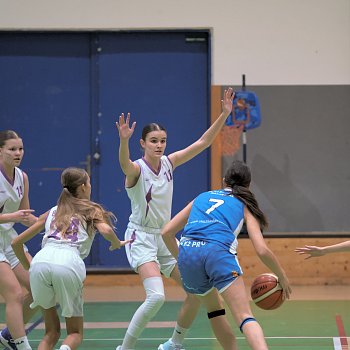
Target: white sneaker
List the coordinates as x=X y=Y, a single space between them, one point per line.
x=169 y=345
x=7 y=342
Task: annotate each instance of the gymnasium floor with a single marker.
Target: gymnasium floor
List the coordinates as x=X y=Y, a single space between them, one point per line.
x=317 y=317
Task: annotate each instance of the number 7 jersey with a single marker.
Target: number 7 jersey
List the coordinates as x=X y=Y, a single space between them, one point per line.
x=216 y=216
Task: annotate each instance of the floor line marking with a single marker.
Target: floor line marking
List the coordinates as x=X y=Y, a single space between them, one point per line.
x=342 y=335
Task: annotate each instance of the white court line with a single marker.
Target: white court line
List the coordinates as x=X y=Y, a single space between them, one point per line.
x=109 y=325
x=337 y=344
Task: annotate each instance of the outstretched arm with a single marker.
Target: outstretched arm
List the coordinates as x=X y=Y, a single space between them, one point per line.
x=18 y=242
x=130 y=169
x=176 y=224
x=265 y=254
x=314 y=251
x=184 y=155
x=108 y=233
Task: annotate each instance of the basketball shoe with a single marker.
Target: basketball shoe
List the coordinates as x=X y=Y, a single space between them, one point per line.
x=169 y=345
x=6 y=340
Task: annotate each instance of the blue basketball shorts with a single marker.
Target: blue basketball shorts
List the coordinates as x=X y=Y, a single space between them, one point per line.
x=206 y=265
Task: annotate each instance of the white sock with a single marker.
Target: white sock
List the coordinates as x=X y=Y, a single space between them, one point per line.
x=22 y=343
x=65 y=347
x=179 y=335
x=154 y=289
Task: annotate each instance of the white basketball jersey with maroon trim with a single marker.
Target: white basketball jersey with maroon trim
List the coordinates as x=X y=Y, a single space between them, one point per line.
x=76 y=235
x=10 y=195
x=151 y=197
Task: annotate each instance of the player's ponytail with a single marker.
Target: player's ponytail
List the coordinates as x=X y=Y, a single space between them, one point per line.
x=69 y=205
x=238 y=178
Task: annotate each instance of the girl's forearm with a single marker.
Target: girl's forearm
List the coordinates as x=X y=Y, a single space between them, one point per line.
x=4 y=218
x=21 y=255
x=124 y=155
x=208 y=137
x=337 y=248
x=171 y=244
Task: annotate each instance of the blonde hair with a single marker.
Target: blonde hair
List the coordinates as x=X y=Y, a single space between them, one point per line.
x=70 y=206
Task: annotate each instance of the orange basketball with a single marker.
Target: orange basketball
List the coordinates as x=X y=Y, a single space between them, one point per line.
x=266 y=292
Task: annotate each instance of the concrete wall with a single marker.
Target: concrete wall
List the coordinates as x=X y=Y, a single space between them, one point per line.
x=299 y=157
x=273 y=42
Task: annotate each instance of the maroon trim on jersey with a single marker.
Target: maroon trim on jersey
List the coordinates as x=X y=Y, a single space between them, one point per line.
x=149 y=166
x=148 y=199
x=172 y=165
x=132 y=238
x=6 y=177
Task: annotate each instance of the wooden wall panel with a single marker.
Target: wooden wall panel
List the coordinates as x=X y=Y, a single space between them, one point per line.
x=332 y=269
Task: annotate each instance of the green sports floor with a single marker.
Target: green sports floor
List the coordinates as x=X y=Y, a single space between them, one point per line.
x=304 y=325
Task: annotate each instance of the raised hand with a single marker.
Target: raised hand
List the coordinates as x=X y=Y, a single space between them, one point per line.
x=125 y=132
x=226 y=103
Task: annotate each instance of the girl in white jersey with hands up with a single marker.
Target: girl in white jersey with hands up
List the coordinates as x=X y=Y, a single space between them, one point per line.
x=57 y=271
x=149 y=185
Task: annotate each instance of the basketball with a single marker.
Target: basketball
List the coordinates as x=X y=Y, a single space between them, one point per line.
x=266 y=292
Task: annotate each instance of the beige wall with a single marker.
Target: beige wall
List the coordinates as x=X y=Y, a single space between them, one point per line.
x=273 y=42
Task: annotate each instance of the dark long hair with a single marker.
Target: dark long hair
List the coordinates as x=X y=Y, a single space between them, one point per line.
x=69 y=205
x=7 y=135
x=238 y=178
x=149 y=128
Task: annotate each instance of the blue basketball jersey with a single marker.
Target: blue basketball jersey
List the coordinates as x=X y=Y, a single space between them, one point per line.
x=216 y=216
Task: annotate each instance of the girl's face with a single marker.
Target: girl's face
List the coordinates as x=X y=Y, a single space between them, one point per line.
x=155 y=143
x=11 y=153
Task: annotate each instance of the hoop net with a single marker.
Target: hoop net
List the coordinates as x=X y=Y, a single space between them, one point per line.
x=230 y=139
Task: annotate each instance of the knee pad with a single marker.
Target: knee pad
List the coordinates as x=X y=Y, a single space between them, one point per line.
x=154 y=296
x=248 y=319
x=216 y=313
x=153 y=303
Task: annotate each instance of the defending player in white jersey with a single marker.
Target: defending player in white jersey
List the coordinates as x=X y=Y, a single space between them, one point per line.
x=14 y=208
x=149 y=184
x=57 y=271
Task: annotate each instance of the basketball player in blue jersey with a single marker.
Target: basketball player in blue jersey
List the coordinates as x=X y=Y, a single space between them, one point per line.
x=149 y=185
x=207 y=253
x=14 y=208
x=57 y=271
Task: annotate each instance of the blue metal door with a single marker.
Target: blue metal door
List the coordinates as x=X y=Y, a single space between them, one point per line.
x=63 y=93
x=157 y=77
x=45 y=97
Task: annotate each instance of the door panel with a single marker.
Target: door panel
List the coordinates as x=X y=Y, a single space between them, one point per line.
x=157 y=77
x=45 y=94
